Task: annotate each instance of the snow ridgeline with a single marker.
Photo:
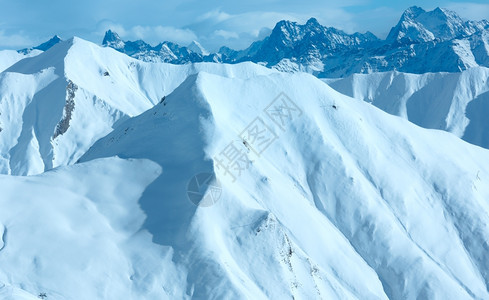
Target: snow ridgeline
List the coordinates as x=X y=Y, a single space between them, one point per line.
x=56 y=105
x=454 y=102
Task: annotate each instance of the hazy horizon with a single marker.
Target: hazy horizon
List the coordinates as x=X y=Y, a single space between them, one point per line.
x=212 y=24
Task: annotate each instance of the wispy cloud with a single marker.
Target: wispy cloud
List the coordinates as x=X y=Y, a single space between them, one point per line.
x=471 y=11
x=212 y=22
x=226 y=34
x=239 y=30
x=163 y=33
x=150 y=34
x=15 y=40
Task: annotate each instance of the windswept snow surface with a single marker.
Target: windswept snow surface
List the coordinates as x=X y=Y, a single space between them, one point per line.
x=454 y=102
x=56 y=105
x=347 y=203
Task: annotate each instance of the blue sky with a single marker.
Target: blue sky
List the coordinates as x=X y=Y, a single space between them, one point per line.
x=211 y=22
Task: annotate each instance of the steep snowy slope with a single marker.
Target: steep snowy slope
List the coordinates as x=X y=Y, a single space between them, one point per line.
x=455 y=102
x=323 y=196
x=56 y=105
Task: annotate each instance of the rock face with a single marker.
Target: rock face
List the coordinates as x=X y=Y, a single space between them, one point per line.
x=422 y=41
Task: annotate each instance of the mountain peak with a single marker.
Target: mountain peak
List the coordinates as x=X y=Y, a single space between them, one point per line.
x=113 y=40
x=417 y=25
x=196 y=47
x=51 y=42
x=44 y=46
x=312 y=22
x=413 y=11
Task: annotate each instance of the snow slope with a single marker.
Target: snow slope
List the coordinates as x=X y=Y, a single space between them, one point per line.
x=74 y=233
x=347 y=202
x=455 y=102
x=56 y=105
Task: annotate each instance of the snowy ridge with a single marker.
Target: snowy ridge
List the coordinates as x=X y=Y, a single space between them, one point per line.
x=454 y=102
x=373 y=233
x=56 y=105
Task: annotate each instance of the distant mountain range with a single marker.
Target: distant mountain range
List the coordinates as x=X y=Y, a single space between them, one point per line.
x=43 y=47
x=422 y=41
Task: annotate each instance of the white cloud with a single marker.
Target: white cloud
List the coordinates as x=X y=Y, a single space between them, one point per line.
x=105 y=25
x=182 y=36
x=16 y=40
x=471 y=11
x=215 y=15
x=226 y=34
x=217 y=27
x=150 y=34
x=157 y=34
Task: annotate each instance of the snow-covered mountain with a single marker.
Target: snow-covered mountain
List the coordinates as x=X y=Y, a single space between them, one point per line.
x=56 y=105
x=321 y=196
x=435 y=41
x=306 y=45
x=419 y=26
x=455 y=102
x=422 y=41
x=196 y=47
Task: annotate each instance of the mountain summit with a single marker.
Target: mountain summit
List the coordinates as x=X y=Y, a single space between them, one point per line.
x=301 y=43
x=112 y=39
x=417 y=26
x=196 y=47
